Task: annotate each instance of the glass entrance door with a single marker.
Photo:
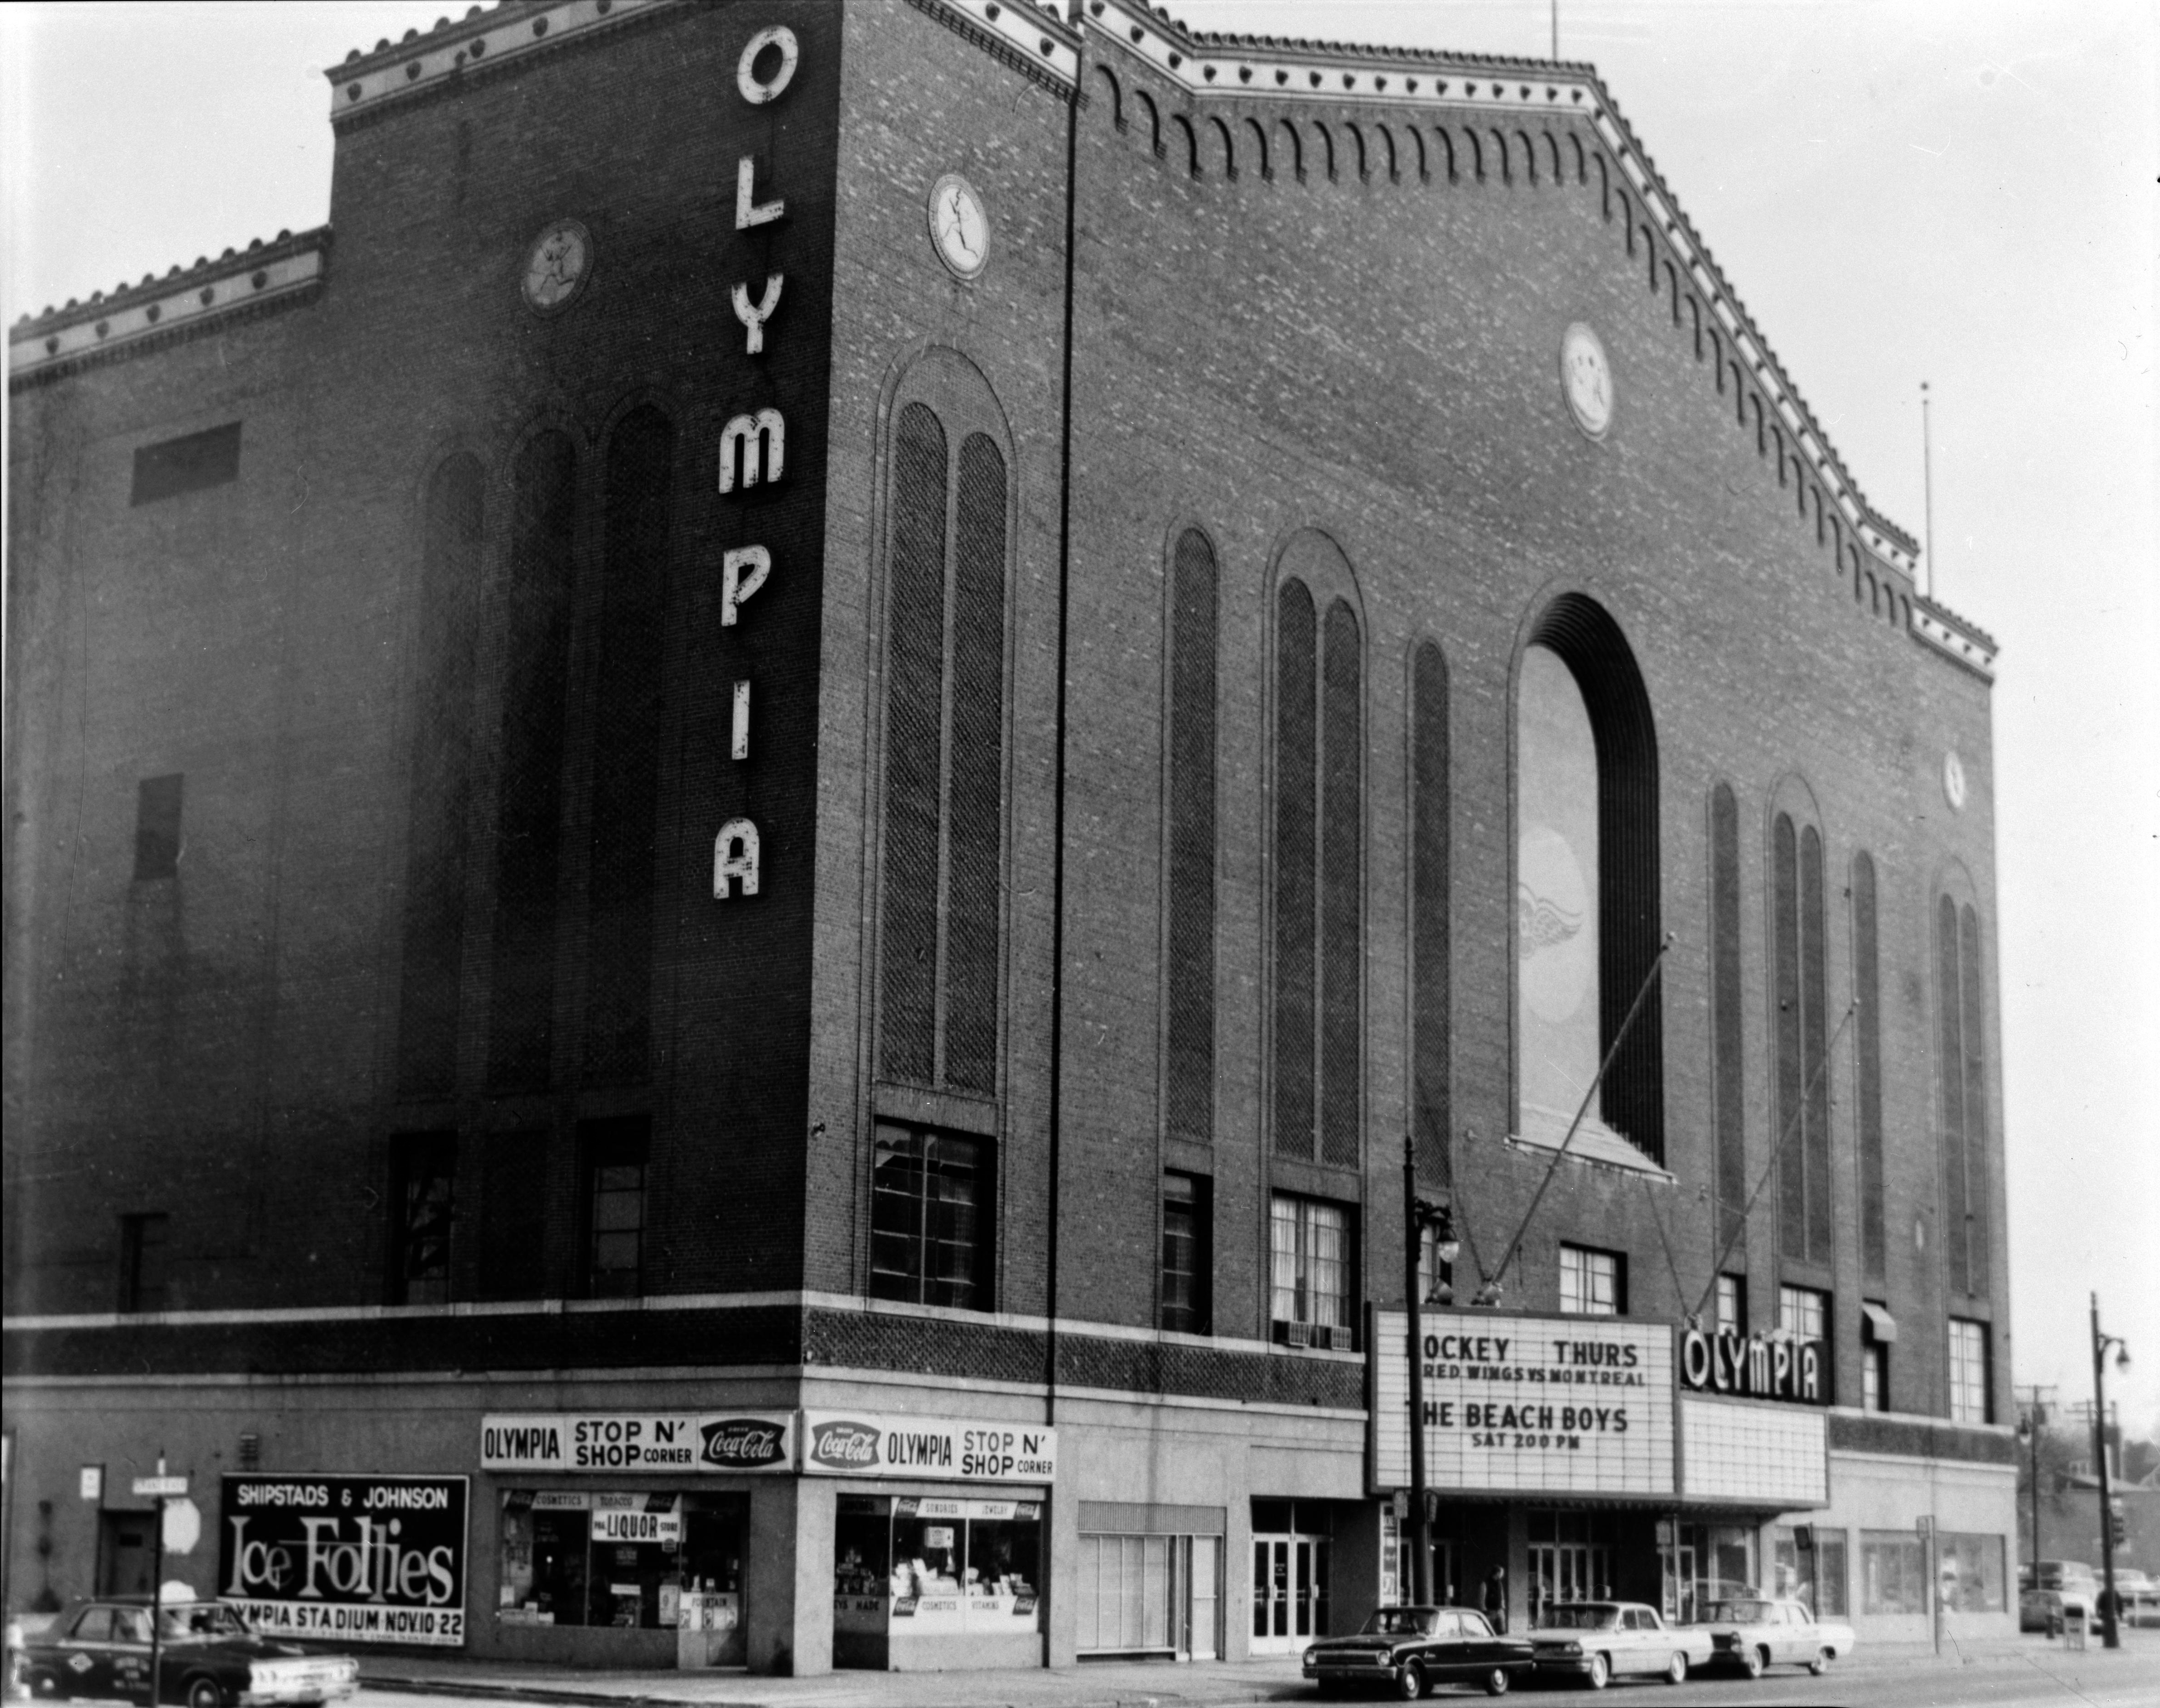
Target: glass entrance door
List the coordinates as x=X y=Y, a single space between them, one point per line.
x=1290 y=1592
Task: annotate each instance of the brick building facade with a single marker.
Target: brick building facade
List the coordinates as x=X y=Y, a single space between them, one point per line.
x=834 y=725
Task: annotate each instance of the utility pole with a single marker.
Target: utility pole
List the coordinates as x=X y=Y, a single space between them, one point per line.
x=2108 y=1637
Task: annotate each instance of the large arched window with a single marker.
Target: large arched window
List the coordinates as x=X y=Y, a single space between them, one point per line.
x=943 y=885
x=630 y=704
x=437 y=842
x=529 y=792
x=1189 y=972
x=1728 y=1044
x=1587 y=900
x=1800 y=1036
x=1430 y=851
x=1961 y=1074
x=1319 y=854
x=1867 y=1027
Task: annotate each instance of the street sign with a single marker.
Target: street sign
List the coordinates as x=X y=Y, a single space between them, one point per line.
x=160 y=1487
x=182 y=1525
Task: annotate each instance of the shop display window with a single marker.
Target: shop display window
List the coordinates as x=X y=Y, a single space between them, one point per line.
x=1708 y=1563
x=574 y=1557
x=948 y=1565
x=1893 y=1572
x=1971 y=1572
x=1813 y=1575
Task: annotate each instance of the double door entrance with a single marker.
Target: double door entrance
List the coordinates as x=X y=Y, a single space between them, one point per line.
x=1291 y=1579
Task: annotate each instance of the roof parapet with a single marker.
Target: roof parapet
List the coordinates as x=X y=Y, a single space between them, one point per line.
x=1960 y=642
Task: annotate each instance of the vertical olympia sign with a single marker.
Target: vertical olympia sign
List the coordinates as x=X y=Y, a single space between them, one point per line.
x=753 y=446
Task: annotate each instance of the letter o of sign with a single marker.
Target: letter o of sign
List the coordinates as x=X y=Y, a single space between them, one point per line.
x=773 y=35
x=1694 y=1358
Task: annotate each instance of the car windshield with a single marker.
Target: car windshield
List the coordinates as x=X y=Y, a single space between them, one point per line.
x=203 y=1620
x=1581 y=1618
x=1739 y=1612
x=1400 y=1621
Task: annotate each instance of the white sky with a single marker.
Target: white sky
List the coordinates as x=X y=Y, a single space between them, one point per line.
x=1957 y=191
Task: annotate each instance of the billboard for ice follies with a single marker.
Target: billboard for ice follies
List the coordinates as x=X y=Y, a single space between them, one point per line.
x=1531 y=1405
x=346 y=1559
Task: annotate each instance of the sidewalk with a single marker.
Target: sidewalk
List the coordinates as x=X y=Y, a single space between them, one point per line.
x=1098 y=1684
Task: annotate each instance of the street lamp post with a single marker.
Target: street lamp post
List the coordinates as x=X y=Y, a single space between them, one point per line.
x=2108 y=1637
x=2030 y=1423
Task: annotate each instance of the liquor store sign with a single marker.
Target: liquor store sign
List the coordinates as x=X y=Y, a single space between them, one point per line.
x=1527 y=1403
x=613 y=1442
x=346 y=1559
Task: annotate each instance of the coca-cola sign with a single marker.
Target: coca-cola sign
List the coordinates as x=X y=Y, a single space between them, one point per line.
x=843 y=1445
x=744 y=1443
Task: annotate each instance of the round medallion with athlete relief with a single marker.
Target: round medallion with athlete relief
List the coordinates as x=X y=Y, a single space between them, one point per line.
x=557 y=266
x=959 y=228
x=1954 y=781
x=1586 y=377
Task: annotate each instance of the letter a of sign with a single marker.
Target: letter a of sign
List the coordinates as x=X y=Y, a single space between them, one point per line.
x=734 y=856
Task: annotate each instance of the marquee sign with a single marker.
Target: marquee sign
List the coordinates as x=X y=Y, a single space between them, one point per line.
x=1756 y=1368
x=715 y=1442
x=1562 y=1404
x=935 y=1449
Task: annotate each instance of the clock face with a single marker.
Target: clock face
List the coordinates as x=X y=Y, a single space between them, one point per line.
x=557 y=269
x=1954 y=781
x=1586 y=377
x=959 y=229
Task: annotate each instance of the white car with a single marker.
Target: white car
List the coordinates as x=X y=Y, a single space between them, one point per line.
x=1598 y=1641
x=1755 y=1631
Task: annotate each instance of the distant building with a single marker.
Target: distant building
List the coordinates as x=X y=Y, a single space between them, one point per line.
x=741 y=830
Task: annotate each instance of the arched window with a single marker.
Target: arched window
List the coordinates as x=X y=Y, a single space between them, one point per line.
x=437 y=843
x=1189 y=976
x=1429 y=852
x=1728 y=1043
x=1961 y=1071
x=529 y=796
x=1867 y=1025
x=631 y=705
x=943 y=885
x=1587 y=898
x=1800 y=1039
x=1319 y=853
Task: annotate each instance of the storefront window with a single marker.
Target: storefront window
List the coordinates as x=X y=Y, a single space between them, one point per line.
x=1813 y=1575
x=571 y=1557
x=1708 y=1563
x=1893 y=1573
x=1971 y=1572
x=945 y=1565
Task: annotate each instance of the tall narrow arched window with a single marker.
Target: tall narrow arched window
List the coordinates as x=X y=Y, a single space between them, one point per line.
x=1961 y=1068
x=1319 y=892
x=631 y=705
x=1189 y=976
x=529 y=795
x=942 y=889
x=1801 y=1038
x=437 y=840
x=1728 y=1046
x=1430 y=851
x=1587 y=900
x=1867 y=1026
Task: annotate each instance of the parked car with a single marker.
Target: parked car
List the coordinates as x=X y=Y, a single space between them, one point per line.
x=2074 y=1581
x=2041 y=1610
x=2140 y=1593
x=1408 y=1650
x=1596 y=1641
x=209 y=1658
x=1755 y=1631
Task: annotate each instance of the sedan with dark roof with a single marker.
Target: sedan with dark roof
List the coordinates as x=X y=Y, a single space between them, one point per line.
x=207 y=1657
x=1408 y=1650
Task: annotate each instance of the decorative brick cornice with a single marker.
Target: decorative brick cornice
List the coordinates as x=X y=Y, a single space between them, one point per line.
x=138 y=317
x=1031 y=38
x=1410 y=81
x=1949 y=634
x=367 y=83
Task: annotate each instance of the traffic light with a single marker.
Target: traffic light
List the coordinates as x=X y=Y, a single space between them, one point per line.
x=2118 y=1529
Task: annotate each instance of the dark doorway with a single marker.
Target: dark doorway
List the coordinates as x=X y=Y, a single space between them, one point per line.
x=126 y=1552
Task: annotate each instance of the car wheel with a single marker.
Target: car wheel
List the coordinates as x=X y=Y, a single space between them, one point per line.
x=1496 y=1682
x=1754 y=1660
x=1600 y=1670
x=1820 y=1663
x=1410 y=1682
x=204 y=1693
x=1676 y=1668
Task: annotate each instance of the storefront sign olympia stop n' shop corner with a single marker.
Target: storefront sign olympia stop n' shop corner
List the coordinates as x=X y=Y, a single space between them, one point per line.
x=753 y=448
